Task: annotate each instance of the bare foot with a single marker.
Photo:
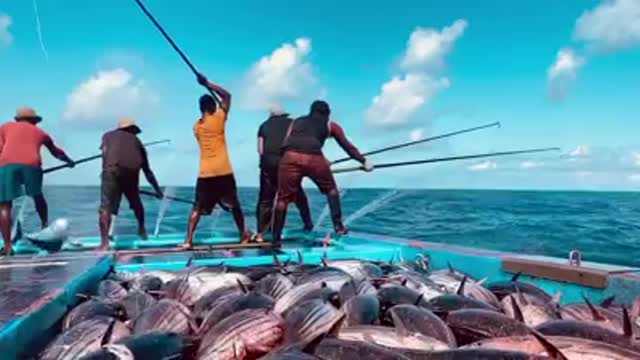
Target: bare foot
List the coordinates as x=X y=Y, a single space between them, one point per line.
x=246 y=237
x=102 y=248
x=185 y=246
x=258 y=238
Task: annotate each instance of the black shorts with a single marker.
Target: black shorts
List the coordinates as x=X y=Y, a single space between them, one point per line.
x=115 y=183
x=218 y=190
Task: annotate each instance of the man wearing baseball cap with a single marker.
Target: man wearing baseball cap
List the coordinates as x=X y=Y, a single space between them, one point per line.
x=123 y=156
x=21 y=166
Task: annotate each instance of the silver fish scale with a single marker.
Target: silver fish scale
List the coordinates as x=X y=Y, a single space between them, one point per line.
x=276 y=285
x=78 y=341
x=198 y=285
x=421 y=285
x=244 y=330
x=318 y=317
x=165 y=315
x=296 y=293
x=334 y=278
x=533 y=310
x=358 y=270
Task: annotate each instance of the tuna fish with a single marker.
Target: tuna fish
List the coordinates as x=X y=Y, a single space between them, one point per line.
x=211 y=298
x=304 y=292
x=111 y=290
x=90 y=309
x=528 y=309
x=391 y=338
x=166 y=315
x=572 y=348
x=161 y=345
x=359 y=270
x=475 y=290
x=450 y=278
x=392 y=295
x=366 y=288
x=146 y=283
x=311 y=319
x=412 y=319
x=474 y=354
x=245 y=333
x=333 y=277
x=471 y=325
x=232 y=305
x=362 y=310
x=447 y=303
x=504 y=288
x=275 y=285
x=192 y=288
x=336 y=349
x=136 y=302
x=589 y=331
x=111 y=352
x=84 y=338
x=419 y=283
x=595 y=314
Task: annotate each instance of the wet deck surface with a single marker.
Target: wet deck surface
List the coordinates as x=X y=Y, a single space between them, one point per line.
x=28 y=283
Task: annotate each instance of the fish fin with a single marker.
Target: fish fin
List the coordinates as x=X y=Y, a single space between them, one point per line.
x=626 y=321
x=393 y=256
x=276 y=261
x=460 y=290
x=594 y=312
x=608 y=301
x=521 y=297
x=323 y=285
x=482 y=281
x=190 y=261
x=287 y=262
x=516 y=276
x=551 y=350
x=451 y=269
x=106 y=338
x=235 y=352
x=398 y=324
x=300 y=258
x=242 y=286
x=335 y=329
x=517 y=312
x=419 y=300
x=404 y=282
x=556 y=298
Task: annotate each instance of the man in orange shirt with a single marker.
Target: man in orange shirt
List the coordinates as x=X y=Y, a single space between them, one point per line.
x=21 y=165
x=216 y=184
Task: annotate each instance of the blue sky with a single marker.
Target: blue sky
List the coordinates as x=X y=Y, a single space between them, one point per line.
x=553 y=73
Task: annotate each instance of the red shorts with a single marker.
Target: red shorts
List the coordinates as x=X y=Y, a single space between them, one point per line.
x=295 y=166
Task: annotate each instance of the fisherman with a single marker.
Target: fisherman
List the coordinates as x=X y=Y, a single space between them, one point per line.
x=21 y=164
x=123 y=156
x=271 y=137
x=216 y=183
x=303 y=157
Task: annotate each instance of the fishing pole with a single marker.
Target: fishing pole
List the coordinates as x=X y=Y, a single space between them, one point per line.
x=452 y=158
x=173 y=44
x=94 y=157
x=415 y=142
x=173 y=198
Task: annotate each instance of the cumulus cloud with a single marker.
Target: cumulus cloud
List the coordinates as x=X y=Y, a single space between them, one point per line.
x=483 y=166
x=401 y=97
x=531 y=164
x=563 y=73
x=581 y=151
x=427 y=48
x=285 y=73
x=612 y=25
x=106 y=96
x=417 y=134
x=5 y=36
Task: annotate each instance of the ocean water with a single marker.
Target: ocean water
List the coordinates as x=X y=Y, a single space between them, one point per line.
x=605 y=227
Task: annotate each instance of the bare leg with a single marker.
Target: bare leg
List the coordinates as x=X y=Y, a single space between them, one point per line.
x=194 y=218
x=138 y=211
x=5 y=226
x=105 y=224
x=333 y=198
x=43 y=209
x=238 y=218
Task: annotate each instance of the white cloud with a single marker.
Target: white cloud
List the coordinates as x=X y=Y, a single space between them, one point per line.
x=417 y=134
x=483 y=166
x=427 y=48
x=5 y=36
x=581 y=151
x=563 y=73
x=531 y=164
x=285 y=73
x=401 y=97
x=613 y=25
x=106 y=96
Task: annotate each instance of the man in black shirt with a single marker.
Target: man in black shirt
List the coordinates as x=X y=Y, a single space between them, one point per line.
x=123 y=156
x=271 y=137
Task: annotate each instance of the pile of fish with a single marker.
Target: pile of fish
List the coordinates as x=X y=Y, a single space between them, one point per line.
x=340 y=309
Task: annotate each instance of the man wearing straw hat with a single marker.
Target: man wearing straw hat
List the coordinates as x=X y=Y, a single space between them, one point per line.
x=21 y=165
x=271 y=135
x=123 y=156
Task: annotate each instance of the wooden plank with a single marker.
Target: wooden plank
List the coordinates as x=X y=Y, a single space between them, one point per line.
x=559 y=272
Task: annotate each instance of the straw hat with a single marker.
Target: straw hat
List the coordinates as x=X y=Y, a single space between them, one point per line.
x=27 y=113
x=126 y=123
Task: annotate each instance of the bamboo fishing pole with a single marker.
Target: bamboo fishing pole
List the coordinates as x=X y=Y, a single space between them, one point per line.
x=444 y=159
x=94 y=157
x=174 y=45
x=415 y=142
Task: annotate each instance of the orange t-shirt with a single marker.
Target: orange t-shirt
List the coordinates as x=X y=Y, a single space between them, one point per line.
x=20 y=143
x=214 y=158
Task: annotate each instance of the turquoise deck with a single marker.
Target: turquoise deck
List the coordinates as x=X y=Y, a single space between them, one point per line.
x=26 y=328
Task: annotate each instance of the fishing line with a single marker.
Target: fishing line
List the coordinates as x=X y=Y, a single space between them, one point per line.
x=39 y=31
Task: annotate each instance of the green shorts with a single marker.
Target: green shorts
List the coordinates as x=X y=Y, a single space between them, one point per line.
x=14 y=176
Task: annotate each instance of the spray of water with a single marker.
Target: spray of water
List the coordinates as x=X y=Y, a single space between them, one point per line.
x=164 y=206
x=374 y=205
x=39 y=31
x=325 y=212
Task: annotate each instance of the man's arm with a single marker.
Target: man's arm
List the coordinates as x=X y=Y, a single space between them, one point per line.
x=260 y=145
x=57 y=152
x=337 y=133
x=146 y=169
x=223 y=95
